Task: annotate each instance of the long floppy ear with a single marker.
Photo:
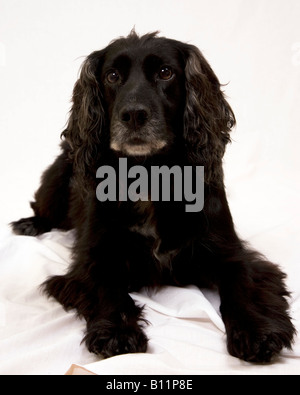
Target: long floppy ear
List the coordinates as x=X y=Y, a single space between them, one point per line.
x=208 y=118
x=84 y=131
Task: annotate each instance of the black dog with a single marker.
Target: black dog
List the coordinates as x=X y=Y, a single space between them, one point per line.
x=154 y=101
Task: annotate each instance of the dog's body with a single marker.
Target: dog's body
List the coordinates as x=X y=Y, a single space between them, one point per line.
x=154 y=101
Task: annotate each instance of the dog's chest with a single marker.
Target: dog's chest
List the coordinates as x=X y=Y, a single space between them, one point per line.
x=145 y=223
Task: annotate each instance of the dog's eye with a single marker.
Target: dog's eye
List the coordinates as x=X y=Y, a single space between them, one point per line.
x=165 y=73
x=112 y=77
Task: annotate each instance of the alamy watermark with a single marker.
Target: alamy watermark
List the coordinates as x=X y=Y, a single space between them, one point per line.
x=133 y=184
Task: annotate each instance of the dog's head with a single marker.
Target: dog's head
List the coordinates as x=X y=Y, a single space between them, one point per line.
x=143 y=88
x=141 y=96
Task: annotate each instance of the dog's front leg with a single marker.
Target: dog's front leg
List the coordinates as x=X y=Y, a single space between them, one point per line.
x=97 y=287
x=254 y=297
x=114 y=327
x=254 y=307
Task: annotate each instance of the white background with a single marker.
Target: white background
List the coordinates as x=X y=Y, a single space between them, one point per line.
x=254 y=48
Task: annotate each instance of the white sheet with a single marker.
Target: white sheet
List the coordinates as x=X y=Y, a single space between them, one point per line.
x=255 y=47
x=38 y=337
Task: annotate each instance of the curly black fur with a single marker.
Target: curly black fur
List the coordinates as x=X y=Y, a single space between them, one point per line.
x=155 y=101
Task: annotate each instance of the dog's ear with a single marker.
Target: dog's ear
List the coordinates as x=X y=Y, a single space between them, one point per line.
x=85 y=128
x=208 y=118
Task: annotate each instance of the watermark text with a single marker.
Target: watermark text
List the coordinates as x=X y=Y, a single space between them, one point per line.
x=162 y=184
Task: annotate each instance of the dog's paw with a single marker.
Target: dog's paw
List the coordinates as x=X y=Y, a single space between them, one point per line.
x=261 y=343
x=32 y=226
x=106 y=339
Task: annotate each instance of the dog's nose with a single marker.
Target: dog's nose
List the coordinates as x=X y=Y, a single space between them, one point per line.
x=135 y=117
